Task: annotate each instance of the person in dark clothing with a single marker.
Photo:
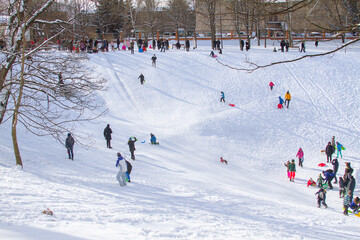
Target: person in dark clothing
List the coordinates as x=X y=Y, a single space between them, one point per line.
x=178 y=46
x=247 y=46
x=132 y=148
x=222 y=99
x=242 y=45
x=154 y=44
x=316 y=43
x=335 y=164
x=129 y=168
x=153 y=58
x=282 y=45
x=107 y=135
x=187 y=45
x=302 y=47
x=212 y=54
x=351 y=186
x=142 y=79
x=118 y=44
x=329 y=150
x=329 y=176
x=348 y=172
x=69 y=144
x=287 y=45
x=321 y=198
x=218 y=43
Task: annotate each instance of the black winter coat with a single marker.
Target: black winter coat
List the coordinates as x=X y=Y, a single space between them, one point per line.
x=131 y=144
x=351 y=185
x=129 y=166
x=107 y=133
x=329 y=150
x=69 y=142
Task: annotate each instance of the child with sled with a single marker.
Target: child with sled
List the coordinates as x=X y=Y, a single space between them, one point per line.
x=223 y=160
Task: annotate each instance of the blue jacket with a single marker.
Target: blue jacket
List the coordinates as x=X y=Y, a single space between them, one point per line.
x=153 y=139
x=338 y=146
x=329 y=175
x=118 y=161
x=223 y=95
x=281 y=100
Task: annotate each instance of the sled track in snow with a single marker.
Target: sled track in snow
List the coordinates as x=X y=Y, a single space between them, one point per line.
x=323 y=93
x=121 y=84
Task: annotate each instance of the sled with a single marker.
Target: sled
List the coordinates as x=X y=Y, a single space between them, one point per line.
x=141 y=50
x=323 y=151
x=342 y=148
x=356 y=214
x=143 y=141
x=322 y=165
x=214 y=56
x=231 y=105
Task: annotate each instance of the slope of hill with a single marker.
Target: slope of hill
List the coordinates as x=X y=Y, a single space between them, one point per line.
x=179 y=190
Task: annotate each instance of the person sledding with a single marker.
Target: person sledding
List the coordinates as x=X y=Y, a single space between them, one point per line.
x=212 y=54
x=311 y=182
x=321 y=198
x=153 y=139
x=223 y=160
x=281 y=102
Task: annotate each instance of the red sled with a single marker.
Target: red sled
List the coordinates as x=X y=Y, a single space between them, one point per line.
x=231 y=105
x=322 y=165
x=214 y=56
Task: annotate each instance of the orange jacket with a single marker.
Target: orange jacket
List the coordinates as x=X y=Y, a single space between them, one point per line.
x=288 y=96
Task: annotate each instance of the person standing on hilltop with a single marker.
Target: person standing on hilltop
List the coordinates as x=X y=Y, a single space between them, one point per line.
x=107 y=135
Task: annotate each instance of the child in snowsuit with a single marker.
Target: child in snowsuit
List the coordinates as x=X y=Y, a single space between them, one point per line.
x=311 y=182
x=292 y=169
x=300 y=155
x=335 y=164
x=329 y=176
x=320 y=181
x=69 y=144
x=212 y=54
x=321 y=198
x=281 y=101
x=121 y=176
x=355 y=205
x=346 y=202
x=153 y=58
x=287 y=98
x=222 y=99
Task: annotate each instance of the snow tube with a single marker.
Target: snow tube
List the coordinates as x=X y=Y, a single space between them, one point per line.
x=322 y=165
x=231 y=105
x=123 y=47
x=143 y=141
x=140 y=50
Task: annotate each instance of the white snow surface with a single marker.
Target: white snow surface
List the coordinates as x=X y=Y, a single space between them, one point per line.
x=179 y=189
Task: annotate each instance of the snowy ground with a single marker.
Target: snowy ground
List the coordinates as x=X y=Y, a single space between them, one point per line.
x=179 y=190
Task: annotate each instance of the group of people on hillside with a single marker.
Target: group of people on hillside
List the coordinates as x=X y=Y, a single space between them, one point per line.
x=281 y=100
x=346 y=183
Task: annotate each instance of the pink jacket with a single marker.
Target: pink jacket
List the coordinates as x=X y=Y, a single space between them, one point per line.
x=300 y=153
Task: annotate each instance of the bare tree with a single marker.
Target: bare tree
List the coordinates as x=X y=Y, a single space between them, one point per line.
x=207 y=9
x=182 y=15
x=46 y=91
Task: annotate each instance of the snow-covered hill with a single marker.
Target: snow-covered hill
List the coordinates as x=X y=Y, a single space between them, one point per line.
x=179 y=189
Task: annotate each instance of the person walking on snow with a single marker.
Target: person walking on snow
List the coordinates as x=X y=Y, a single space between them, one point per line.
x=69 y=144
x=142 y=79
x=341 y=187
x=300 y=155
x=329 y=176
x=153 y=58
x=107 y=135
x=271 y=85
x=121 y=176
x=338 y=147
x=132 y=148
x=287 y=98
x=129 y=168
x=329 y=150
x=222 y=99
x=292 y=169
x=321 y=198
